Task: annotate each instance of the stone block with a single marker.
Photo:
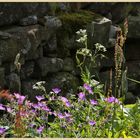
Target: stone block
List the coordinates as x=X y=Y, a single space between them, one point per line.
x=98 y=31
x=49 y=65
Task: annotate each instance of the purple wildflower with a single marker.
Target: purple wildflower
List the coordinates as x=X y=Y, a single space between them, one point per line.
x=60 y=116
x=39 y=98
x=1 y=107
x=2 y=130
x=67 y=114
x=111 y=100
x=93 y=102
x=88 y=88
x=69 y=120
x=24 y=113
x=67 y=104
x=20 y=98
x=36 y=106
x=81 y=96
x=92 y=123
x=17 y=95
x=9 y=109
x=41 y=104
x=45 y=108
x=64 y=99
x=28 y=103
x=32 y=112
x=40 y=129
x=56 y=90
x=32 y=125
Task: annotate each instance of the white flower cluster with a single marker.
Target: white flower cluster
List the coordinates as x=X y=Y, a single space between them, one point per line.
x=39 y=85
x=86 y=51
x=100 y=47
x=83 y=36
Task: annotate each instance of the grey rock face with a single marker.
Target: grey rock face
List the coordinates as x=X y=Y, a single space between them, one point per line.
x=133 y=51
x=133 y=68
x=0 y=61
x=102 y=8
x=50 y=47
x=120 y=11
x=30 y=20
x=49 y=65
x=68 y=64
x=134 y=26
x=52 y=22
x=8 y=49
x=115 y=11
x=27 y=88
x=14 y=82
x=98 y=31
x=4 y=35
x=2 y=77
x=111 y=43
x=130 y=98
x=25 y=39
x=64 y=80
x=8 y=15
x=27 y=70
x=113 y=31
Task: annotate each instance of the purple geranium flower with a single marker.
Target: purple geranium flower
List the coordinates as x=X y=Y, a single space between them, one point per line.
x=65 y=101
x=67 y=114
x=45 y=108
x=32 y=125
x=60 y=116
x=36 y=106
x=9 y=109
x=92 y=123
x=88 y=88
x=17 y=95
x=93 y=102
x=32 y=112
x=111 y=100
x=67 y=104
x=56 y=90
x=20 y=98
x=1 y=107
x=2 y=130
x=39 y=98
x=41 y=104
x=40 y=129
x=81 y=96
x=28 y=103
x=69 y=120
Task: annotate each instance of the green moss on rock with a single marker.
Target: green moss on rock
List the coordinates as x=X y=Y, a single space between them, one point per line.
x=73 y=21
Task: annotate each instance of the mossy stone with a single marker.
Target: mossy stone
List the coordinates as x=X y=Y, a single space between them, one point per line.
x=73 y=21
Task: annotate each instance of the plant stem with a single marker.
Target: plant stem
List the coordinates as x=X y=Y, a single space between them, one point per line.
x=133 y=80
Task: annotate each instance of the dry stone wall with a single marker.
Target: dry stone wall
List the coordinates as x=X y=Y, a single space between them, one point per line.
x=48 y=54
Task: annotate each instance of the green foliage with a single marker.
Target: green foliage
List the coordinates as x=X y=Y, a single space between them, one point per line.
x=85 y=57
x=83 y=115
